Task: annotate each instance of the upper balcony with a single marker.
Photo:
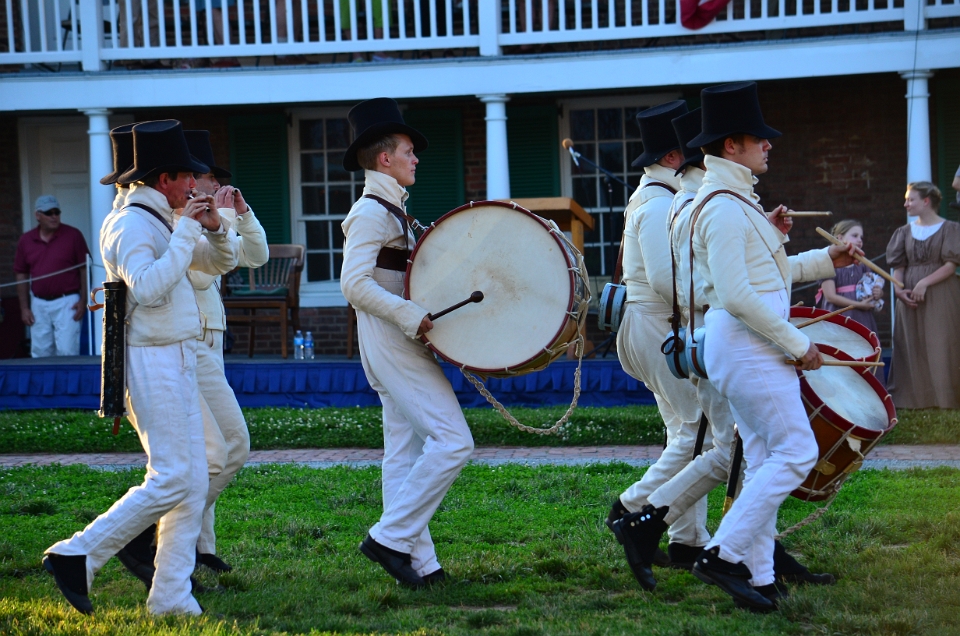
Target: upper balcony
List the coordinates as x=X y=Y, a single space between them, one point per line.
x=53 y=34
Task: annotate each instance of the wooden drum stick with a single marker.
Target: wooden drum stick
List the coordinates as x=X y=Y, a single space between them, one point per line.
x=475 y=297
x=863 y=259
x=808 y=213
x=835 y=312
x=839 y=363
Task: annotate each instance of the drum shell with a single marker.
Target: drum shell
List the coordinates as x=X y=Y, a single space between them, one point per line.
x=837 y=459
x=869 y=337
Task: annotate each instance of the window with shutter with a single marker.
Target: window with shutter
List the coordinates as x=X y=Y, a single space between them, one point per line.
x=948 y=142
x=440 y=183
x=258 y=161
x=534 y=147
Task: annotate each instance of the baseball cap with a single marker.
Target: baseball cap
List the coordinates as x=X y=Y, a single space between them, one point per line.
x=46 y=203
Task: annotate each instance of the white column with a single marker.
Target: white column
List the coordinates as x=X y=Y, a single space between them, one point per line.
x=498 y=162
x=91 y=35
x=918 y=126
x=101 y=200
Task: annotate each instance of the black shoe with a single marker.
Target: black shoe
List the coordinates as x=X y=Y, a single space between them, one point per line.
x=639 y=533
x=140 y=569
x=139 y=555
x=437 y=576
x=682 y=556
x=397 y=564
x=660 y=558
x=70 y=573
x=773 y=592
x=213 y=562
x=789 y=570
x=732 y=578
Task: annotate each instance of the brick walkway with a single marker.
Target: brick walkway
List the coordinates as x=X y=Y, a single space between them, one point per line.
x=893 y=456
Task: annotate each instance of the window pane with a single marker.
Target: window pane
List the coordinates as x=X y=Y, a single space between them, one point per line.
x=341 y=199
x=311 y=134
x=318 y=235
x=609 y=123
x=589 y=151
x=311 y=167
x=318 y=266
x=585 y=191
x=338 y=134
x=581 y=125
x=631 y=129
x=337 y=236
x=591 y=259
x=611 y=156
x=634 y=150
x=335 y=171
x=337 y=264
x=313 y=200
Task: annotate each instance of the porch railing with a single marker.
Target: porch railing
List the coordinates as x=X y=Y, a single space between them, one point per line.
x=56 y=31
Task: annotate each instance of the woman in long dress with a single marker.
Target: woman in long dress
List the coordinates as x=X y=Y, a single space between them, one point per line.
x=925 y=371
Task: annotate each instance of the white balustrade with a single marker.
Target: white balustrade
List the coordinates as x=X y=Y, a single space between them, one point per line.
x=59 y=31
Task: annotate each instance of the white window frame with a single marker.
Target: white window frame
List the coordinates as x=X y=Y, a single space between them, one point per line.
x=318 y=293
x=566 y=164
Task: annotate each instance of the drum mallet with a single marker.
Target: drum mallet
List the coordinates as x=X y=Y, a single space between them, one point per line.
x=475 y=297
x=863 y=259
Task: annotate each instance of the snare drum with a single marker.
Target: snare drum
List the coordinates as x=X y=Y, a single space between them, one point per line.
x=849 y=412
x=534 y=284
x=846 y=334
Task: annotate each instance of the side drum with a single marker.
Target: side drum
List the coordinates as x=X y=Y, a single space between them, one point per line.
x=533 y=281
x=849 y=411
x=846 y=334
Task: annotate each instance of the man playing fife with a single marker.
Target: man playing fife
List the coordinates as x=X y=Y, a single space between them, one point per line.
x=426 y=440
x=140 y=247
x=647 y=272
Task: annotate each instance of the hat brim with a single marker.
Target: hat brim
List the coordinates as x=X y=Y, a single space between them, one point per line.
x=694 y=160
x=134 y=174
x=220 y=173
x=112 y=178
x=376 y=132
x=649 y=158
x=761 y=132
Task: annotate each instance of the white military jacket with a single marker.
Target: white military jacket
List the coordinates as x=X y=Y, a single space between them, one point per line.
x=678 y=225
x=367 y=229
x=740 y=255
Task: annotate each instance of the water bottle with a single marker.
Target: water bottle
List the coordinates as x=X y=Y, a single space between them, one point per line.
x=298 y=345
x=308 y=347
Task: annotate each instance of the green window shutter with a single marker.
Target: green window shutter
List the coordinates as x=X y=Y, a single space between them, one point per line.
x=440 y=181
x=258 y=161
x=534 y=147
x=948 y=141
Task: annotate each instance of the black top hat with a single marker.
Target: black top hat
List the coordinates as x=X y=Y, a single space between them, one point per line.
x=687 y=126
x=121 y=138
x=730 y=109
x=657 y=133
x=374 y=119
x=198 y=141
x=159 y=146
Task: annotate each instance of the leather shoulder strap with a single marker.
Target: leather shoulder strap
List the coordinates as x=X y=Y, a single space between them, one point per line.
x=406 y=221
x=156 y=214
x=693 y=225
x=660 y=184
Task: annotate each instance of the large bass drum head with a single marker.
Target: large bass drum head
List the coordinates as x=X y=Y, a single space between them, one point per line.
x=522 y=269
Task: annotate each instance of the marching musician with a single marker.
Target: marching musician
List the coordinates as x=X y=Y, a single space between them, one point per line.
x=426 y=440
x=646 y=257
x=141 y=248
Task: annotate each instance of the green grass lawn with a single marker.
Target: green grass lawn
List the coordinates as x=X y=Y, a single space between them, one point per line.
x=525 y=549
x=66 y=431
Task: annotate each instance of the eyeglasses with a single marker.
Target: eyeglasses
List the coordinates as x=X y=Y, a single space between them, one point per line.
x=53 y=212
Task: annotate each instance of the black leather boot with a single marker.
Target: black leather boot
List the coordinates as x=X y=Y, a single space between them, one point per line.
x=682 y=556
x=660 y=558
x=639 y=533
x=139 y=555
x=732 y=578
x=788 y=570
x=397 y=564
x=70 y=573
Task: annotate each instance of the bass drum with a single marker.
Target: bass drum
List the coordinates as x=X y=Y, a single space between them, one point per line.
x=534 y=284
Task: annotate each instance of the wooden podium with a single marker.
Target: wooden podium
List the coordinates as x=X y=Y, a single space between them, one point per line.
x=569 y=217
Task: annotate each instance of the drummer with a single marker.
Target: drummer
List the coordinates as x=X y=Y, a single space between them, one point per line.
x=426 y=440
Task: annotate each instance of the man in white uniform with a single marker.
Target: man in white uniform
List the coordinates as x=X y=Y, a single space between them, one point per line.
x=140 y=247
x=425 y=436
x=646 y=259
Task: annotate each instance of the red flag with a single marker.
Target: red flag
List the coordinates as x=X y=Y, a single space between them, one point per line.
x=696 y=15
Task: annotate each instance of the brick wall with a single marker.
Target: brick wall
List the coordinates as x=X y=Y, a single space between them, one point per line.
x=328 y=324
x=11 y=219
x=475 y=151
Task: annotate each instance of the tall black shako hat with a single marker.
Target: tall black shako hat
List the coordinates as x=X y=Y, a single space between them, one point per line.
x=730 y=109
x=687 y=126
x=159 y=146
x=121 y=138
x=657 y=133
x=374 y=119
x=198 y=141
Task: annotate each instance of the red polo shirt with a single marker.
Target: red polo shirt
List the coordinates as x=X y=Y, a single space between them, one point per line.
x=36 y=258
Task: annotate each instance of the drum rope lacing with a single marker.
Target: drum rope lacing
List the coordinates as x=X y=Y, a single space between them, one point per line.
x=581 y=315
x=816 y=514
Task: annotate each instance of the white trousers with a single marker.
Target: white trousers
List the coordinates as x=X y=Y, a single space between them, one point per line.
x=708 y=470
x=224 y=430
x=779 y=446
x=426 y=440
x=55 y=332
x=164 y=407
x=638 y=345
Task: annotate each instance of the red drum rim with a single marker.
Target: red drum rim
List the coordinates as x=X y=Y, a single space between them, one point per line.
x=844 y=321
x=563 y=250
x=818 y=404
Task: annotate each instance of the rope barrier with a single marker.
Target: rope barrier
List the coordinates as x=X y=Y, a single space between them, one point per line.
x=30 y=280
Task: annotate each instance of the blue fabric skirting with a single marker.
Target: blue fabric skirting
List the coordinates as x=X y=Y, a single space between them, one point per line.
x=320 y=384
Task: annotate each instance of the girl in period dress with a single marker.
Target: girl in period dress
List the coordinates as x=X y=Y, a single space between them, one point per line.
x=841 y=290
x=925 y=371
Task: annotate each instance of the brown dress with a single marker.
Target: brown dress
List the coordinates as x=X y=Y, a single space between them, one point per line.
x=925 y=370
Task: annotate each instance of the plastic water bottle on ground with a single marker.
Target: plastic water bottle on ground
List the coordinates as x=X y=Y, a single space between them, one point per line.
x=308 y=346
x=298 y=345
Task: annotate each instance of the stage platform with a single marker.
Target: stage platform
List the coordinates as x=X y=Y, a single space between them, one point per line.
x=74 y=382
